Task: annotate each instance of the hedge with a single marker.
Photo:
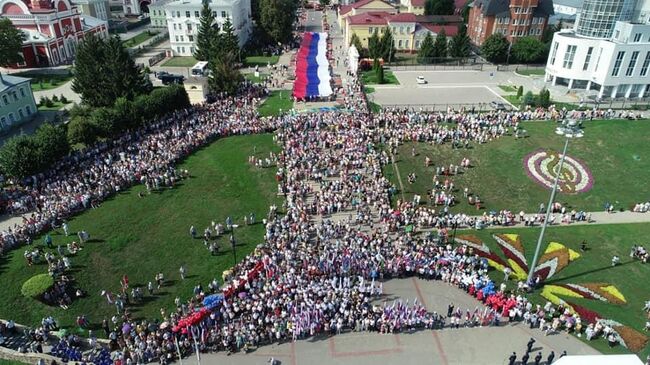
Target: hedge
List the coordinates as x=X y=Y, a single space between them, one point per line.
x=37 y=285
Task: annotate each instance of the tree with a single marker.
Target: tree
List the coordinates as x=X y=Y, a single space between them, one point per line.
x=439 y=7
x=528 y=99
x=495 y=48
x=82 y=130
x=18 y=157
x=104 y=71
x=426 y=52
x=440 y=45
x=544 y=98
x=374 y=45
x=354 y=40
x=459 y=46
x=224 y=76
x=277 y=18
x=520 y=92
x=11 y=43
x=379 y=74
x=230 y=42
x=387 y=45
x=51 y=144
x=527 y=50
x=205 y=33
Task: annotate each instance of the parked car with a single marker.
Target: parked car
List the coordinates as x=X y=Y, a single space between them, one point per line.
x=160 y=74
x=497 y=105
x=420 y=80
x=171 y=79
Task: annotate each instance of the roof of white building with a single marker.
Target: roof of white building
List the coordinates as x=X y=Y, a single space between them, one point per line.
x=198 y=3
x=35 y=36
x=90 y=22
x=9 y=81
x=569 y=3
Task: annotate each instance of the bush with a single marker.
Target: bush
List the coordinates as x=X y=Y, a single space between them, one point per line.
x=55 y=98
x=544 y=98
x=520 y=92
x=529 y=98
x=42 y=101
x=63 y=99
x=82 y=130
x=49 y=103
x=37 y=285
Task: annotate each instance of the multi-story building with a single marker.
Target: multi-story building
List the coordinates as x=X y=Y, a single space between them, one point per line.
x=52 y=29
x=157 y=13
x=96 y=8
x=17 y=104
x=184 y=17
x=363 y=6
x=607 y=53
x=417 y=6
x=512 y=18
x=408 y=29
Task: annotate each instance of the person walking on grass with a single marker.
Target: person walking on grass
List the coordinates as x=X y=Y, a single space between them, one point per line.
x=182 y=271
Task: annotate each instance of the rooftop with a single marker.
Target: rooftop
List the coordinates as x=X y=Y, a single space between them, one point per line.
x=371 y=18
x=502 y=7
x=198 y=3
x=9 y=81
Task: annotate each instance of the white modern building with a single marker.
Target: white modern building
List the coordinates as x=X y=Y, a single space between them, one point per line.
x=184 y=18
x=95 y=8
x=607 y=53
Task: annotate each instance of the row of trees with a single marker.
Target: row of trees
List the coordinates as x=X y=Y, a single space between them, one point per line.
x=436 y=50
x=439 y=7
x=497 y=49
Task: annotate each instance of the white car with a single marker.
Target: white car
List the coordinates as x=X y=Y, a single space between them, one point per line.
x=421 y=80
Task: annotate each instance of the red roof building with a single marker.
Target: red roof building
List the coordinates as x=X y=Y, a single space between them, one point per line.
x=52 y=30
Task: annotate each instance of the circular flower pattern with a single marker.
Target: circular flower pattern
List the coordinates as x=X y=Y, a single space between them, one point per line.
x=542 y=166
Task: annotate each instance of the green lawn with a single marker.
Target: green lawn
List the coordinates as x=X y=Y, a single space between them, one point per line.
x=499 y=178
x=370 y=78
x=42 y=82
x=278 y=102
x=532 y=72
x=508 y=88
x=251 y=77
x=261 y=61
x=594 y=266
x=141 y=236
x=374 y=107
x=187 y=61
x=139 y=38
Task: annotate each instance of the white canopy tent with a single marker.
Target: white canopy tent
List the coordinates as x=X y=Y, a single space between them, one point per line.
x=599 y=360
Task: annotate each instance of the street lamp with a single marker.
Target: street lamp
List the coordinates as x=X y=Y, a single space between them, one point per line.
x=569 y=129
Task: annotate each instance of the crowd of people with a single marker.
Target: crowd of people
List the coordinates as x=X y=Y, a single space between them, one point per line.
x=313 y=274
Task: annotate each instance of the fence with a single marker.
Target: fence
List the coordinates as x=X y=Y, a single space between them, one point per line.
x=157 y=58
x=473 y=107
x=436 y=67
x=520 y=67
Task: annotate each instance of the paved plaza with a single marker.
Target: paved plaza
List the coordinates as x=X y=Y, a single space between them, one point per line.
x=487 y=345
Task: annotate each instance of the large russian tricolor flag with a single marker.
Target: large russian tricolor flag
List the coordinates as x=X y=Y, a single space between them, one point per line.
x=312 y=68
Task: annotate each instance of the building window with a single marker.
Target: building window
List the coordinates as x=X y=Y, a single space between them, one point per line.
x=214 y=14
x=600 y=53
x=176 y=38
x=22 y=92
x=632 y=64
x=417 y=44
x=370 y=30
x=646 y=63
x=399 y=44
x=192 y=50
x=4 y=98
x=190 y=38
x=637 y=37
x=178 y=14
x=3 y=122
x=182 y=39
x=568 y=56
x=15 y=95
x=189 y=27
x=617 y=63
x=20 y=113
x=187 y=14
x=174 y=26
x=401 y=30
x=406 y=43
x=196 y=14
x=28 y=110
x=224 y=14
x=587 y=59
x=12 y=118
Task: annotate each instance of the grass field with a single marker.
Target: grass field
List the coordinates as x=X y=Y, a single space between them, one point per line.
x=508 y=88
x=251 y=77
x=499 y=178
x=139 y=39
x=594 y=266
x=532 y=72
x=141 y=236
x=278 y=102
x=187 y=61
x=261 y=61
x=42 y=82
x=370 y=78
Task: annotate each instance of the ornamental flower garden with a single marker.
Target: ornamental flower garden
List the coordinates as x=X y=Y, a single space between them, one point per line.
x=542 y=166
x=555 y=258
